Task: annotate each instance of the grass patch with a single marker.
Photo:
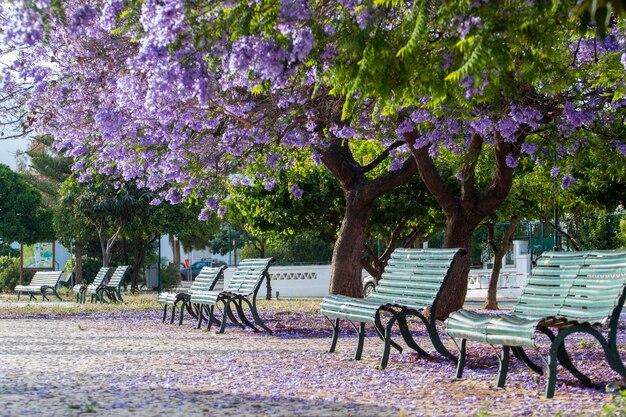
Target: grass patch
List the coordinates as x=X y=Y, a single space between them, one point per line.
x=69 y=306
x=132 y=302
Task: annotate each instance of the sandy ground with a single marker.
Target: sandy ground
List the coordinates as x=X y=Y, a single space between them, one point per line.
x=130 y=364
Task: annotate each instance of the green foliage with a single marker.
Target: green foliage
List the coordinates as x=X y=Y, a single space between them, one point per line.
x=170 y=276
x=47 y=168
x=9 y=273
x=616 y=408
x=306 y=249
x=91 y=266
x=22 y=219
x=6 y=250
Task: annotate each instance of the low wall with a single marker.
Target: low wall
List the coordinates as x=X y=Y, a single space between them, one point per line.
x=294 y=281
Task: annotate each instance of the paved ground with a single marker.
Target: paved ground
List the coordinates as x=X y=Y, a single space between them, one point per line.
x=129 y=364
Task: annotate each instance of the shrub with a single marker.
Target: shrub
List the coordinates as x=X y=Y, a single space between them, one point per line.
x=170 y=276
x=10 y=273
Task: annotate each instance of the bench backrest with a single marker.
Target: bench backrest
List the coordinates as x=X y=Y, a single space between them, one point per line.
x=597 y=293
x=249 y=275
x=551 y=279
x=117 y=276
x=415 y=277
x=46 y=278
x=207 y=278
x=579 y=286
x=100 y=277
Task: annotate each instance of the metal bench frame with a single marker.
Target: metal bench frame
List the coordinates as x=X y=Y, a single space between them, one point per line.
x=242 y=289
x=570 y=306
x=372 y=308
x=206 y=280
x=41 y=282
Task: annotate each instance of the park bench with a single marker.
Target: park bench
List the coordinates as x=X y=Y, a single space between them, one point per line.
x=41 y=282
x=112 y=288
x=93 y=289
x=241 y=289
x=568 y=292
x=411 y=283
x=205 y=281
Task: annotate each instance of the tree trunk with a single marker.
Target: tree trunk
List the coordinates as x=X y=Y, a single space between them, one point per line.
x=175 y=244
x=491 y=303
x=78 y=267
x=140 y=257
x=345 y=274
x=458 y=235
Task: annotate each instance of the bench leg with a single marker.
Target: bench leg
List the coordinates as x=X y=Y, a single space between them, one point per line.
x=164 y=313
x=200 y=308
x=519 y=353
x=562 y=355
x=380 y=330
x=255 y=314
x=359 y=346
x=228 y=312
x=335 y=325
x=504 y=359
x=243 y=318
x=460 y=365
x=173 y=313
x=388 y=343
x=408 y=339
x=18 y=295
x=182 y=312
x=118 y=293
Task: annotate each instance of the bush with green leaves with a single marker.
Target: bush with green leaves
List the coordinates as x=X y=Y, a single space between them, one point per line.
x=10 y=273
x=170 y=276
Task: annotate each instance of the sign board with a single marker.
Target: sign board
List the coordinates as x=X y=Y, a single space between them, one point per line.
x=38 y=256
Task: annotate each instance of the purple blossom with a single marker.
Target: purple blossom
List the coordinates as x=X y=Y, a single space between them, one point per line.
x=620 y=147
x=269 y=184
x=420 y=116
x=511 y=161
x=26 y=26
x=567 y=181
x=396 y=163
x=405 y=127
x=554 y=172
x=82 y=18
x=482 y=126
x=296 y=191
x=343 y=132
x=221 y=211
x=204 y=215
x=303 y=42
x=507 y=129
x=529 y=148
x=174 y=196
x=526 y=116
x=155 y=201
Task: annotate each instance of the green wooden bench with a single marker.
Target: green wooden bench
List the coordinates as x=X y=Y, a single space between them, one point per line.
x=241 y=289
x=41 y=282
x=112 y=289
x=568 y=292
x=206 y=280
x=94 y=288
x=411 y=283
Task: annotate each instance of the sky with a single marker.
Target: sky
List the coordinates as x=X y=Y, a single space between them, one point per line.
x=8 y=149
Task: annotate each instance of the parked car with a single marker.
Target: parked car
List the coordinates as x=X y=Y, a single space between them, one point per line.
x=191 y=273
x=369 y=284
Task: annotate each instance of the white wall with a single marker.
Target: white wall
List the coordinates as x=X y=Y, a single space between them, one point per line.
x=294 y=281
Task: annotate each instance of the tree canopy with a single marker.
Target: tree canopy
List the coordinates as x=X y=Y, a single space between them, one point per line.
x=22 y=219
x=174 y=96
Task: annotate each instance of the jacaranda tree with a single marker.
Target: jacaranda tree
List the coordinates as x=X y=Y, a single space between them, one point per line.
x=175 y=94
